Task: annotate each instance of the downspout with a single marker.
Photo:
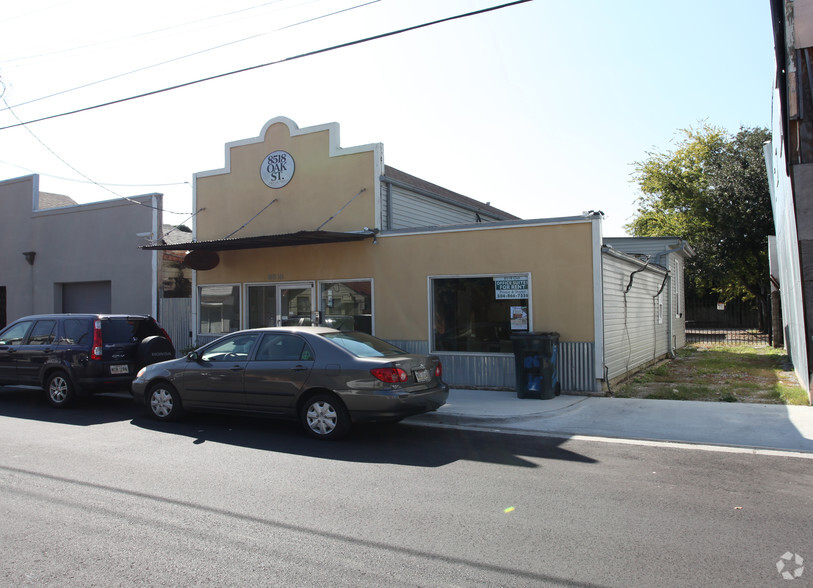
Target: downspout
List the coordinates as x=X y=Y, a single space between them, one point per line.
x=389 y=205
x=599 y=368
x=157 y=256
x=670 y=350
x=670 y=327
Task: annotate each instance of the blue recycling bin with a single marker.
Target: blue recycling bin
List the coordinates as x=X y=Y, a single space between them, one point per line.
x=536 y=357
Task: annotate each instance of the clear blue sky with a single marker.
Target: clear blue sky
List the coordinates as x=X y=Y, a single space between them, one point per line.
x=540 y=109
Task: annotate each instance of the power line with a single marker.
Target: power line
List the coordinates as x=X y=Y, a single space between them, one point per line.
x=263 y=65
x=135 y=36
x=179 y=58
x=64 y=179
x=60 y=158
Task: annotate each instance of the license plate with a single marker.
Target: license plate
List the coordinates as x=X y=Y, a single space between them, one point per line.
x=422 y=375
x=119 y=369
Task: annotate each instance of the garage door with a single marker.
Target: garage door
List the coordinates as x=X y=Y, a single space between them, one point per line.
x=93 y=297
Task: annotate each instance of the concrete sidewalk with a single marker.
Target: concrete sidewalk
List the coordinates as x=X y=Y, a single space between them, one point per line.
x=758 y=426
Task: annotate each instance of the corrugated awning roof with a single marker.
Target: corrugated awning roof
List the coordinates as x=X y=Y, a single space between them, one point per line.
x=300 y=238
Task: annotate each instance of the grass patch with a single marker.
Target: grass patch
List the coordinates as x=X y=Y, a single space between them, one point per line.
x=682 y=392
x=719 y=373
x=789 y=394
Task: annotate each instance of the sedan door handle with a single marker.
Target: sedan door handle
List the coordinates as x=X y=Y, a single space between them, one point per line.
x=299 y=368
x=236 y=368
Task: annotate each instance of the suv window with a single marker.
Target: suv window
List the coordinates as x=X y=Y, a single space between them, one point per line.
x=43 y=333
x=131 y=330
x=76 y=332
x=15 y=333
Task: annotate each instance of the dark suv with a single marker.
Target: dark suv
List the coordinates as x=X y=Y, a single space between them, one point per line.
x=72 y=355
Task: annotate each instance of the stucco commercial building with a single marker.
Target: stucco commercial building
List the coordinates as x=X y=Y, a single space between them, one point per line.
x=296 y=229
x=60 y=256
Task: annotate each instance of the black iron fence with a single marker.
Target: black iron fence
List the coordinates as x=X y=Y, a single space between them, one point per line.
x=726 y=336
x=732 y=323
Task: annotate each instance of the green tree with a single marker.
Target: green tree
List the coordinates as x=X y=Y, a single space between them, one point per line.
x=712 y=190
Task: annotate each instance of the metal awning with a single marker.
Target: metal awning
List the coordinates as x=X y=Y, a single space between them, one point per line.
x=288 y=240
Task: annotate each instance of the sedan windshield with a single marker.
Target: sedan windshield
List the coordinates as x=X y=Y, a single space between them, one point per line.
x=363 y=345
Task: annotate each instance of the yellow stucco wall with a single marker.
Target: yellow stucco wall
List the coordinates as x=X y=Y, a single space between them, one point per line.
x=321 y=186
x=559 y=257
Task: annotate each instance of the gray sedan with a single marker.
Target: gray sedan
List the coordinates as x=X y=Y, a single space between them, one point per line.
x=326 y=378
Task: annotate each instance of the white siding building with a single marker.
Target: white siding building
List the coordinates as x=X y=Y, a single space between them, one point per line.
x=644 y=307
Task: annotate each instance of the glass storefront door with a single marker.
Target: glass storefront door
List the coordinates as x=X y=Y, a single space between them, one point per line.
x=295 y=304
x=280 y=305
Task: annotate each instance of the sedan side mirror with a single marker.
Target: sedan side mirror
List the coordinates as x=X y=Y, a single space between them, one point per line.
x=192 y=356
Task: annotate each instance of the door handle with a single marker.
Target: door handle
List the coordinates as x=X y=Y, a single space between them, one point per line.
x=299 y=368
x=236 y=368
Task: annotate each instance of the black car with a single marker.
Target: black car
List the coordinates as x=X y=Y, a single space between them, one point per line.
x=327 y=379
x=71 y=355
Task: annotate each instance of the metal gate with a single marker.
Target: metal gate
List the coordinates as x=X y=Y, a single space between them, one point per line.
x=176 y=318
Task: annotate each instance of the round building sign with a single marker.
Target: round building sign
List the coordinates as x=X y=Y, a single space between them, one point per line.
x=277 y=169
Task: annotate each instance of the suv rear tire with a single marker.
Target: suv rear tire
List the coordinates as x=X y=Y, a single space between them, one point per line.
x=59 y=389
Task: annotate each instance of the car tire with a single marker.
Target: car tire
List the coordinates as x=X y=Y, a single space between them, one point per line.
x=59 y=389
x=324 y=416
x=164 y=403
x=154 y=349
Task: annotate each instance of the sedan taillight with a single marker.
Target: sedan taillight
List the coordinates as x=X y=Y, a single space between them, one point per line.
x=390 y=375
x=439 y=371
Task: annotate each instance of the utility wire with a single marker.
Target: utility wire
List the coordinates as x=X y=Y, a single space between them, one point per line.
x=263 y=65
x=135 y=36
x=60 y=158
x=64 y=179
x=179 y=58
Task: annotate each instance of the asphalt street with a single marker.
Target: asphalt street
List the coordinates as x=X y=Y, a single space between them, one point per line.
x=103 y=495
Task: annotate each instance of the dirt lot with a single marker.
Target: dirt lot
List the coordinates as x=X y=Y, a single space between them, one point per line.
x=740 y=373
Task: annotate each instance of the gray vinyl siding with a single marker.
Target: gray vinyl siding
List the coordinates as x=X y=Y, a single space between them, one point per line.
x=412 y=210
x=633 y=335
x=663 y=251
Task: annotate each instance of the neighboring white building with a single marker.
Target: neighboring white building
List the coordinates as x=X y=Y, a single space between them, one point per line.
x=789 y=159
x=60 y=256
x=644 y=305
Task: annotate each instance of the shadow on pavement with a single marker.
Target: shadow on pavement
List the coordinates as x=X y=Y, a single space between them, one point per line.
x=30 y=403
x=393 y=443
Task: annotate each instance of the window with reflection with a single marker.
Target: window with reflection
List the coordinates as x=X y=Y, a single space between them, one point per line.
x=478 y=314
x=262 y=306
x=347 y=305
x=219 y=308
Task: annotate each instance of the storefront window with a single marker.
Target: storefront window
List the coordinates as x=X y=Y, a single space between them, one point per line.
x=219 y=309
x=262 y=306
x=347 y=306
x=478 y=315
